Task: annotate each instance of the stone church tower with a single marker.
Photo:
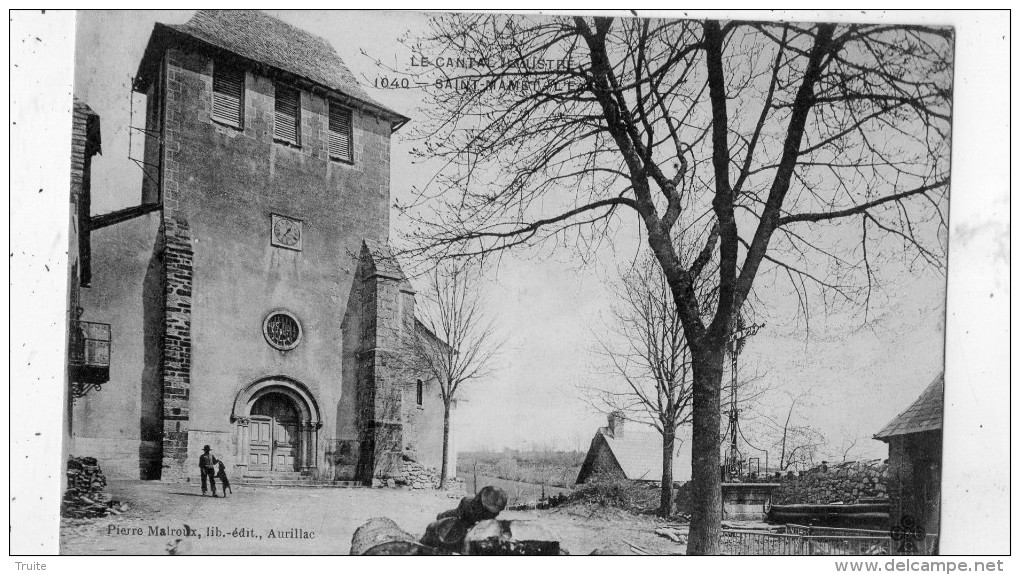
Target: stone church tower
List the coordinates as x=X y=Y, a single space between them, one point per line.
x=252 y=300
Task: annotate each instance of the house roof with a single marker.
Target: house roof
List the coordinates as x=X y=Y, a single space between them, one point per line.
x=639 y=454
x=258 y=37
x=925 y=414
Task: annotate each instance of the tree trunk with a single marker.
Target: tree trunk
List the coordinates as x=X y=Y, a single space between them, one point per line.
x=706 y=490
x=666 y=494
x=444 y=472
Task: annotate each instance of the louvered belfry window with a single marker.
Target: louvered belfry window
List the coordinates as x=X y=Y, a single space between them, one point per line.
x=340 y=133
x=228 y=95
x=288 y=115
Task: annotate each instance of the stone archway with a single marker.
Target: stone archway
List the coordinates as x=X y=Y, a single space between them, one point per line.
x=276 y=425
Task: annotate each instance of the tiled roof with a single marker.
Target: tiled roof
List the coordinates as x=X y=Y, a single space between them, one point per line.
x=925 y=414
x=640 y=455
x=259 y=37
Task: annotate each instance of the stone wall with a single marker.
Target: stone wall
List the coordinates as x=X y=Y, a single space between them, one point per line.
x=423 y=423
x=844 y=482
x=420 y=476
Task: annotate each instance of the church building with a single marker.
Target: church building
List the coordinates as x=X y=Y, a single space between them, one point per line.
x=250 y=300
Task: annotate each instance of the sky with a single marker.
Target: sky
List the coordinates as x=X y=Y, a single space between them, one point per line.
x=856 y=378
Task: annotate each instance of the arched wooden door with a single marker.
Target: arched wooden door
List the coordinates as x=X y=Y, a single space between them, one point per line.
x=274 y=440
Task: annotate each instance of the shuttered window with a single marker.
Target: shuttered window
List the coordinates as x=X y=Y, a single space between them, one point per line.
x=340 y=134
x=228 y=95
x=288 y=115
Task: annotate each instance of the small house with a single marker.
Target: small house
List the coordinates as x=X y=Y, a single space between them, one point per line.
x=630 y=454
x=915 y=460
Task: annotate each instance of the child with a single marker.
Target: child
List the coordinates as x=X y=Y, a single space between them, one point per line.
x=222 y=476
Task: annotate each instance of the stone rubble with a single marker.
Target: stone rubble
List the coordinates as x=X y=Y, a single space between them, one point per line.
x=418 y=476
x=86 y=494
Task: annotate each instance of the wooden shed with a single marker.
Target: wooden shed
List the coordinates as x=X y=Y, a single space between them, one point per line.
x=915 y=460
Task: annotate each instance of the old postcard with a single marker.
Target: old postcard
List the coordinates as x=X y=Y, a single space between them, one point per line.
x=508 y=284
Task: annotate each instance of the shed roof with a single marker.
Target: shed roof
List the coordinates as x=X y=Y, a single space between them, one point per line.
x=256 y=36
x=925 y=414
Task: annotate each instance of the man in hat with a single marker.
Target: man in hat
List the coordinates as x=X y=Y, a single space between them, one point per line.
x=207 y=465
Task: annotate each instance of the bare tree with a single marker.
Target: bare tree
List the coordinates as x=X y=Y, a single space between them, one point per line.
x=813 y=153
x=645 y=348
x=797 y=443
x=848 y=445
x=454 y=342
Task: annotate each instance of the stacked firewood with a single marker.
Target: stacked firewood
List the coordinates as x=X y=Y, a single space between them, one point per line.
x=86 y=495
x=444 y=536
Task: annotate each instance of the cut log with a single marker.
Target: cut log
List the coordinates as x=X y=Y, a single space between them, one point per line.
x=489 y=502
x=675 y=535
x=506 y=537
x=446 y=534
x=486 y=504
x=825 y=508
x=381 y=536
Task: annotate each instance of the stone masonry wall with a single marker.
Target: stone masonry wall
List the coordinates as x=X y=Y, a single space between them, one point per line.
x=845 y=482
x=380 y=396
x=176 y=365
x=178 y=275
x=420 y=476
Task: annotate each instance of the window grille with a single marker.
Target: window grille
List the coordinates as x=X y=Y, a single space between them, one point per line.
x=228 y=95
x=282 y=330
x=90 y=344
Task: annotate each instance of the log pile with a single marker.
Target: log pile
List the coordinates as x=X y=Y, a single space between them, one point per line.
x=86 y=495
x=502 y=537
x=444 y=536
x=448 y=531
x=851 y=516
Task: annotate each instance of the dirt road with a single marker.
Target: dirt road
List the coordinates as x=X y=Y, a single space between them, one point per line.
x=310 y=521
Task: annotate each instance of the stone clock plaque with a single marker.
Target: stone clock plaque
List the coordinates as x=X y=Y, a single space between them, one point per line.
x=286 y=232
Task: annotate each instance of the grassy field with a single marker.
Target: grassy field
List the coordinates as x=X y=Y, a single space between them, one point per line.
x=552 y=468
x=517 y=492
x=522 y=474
